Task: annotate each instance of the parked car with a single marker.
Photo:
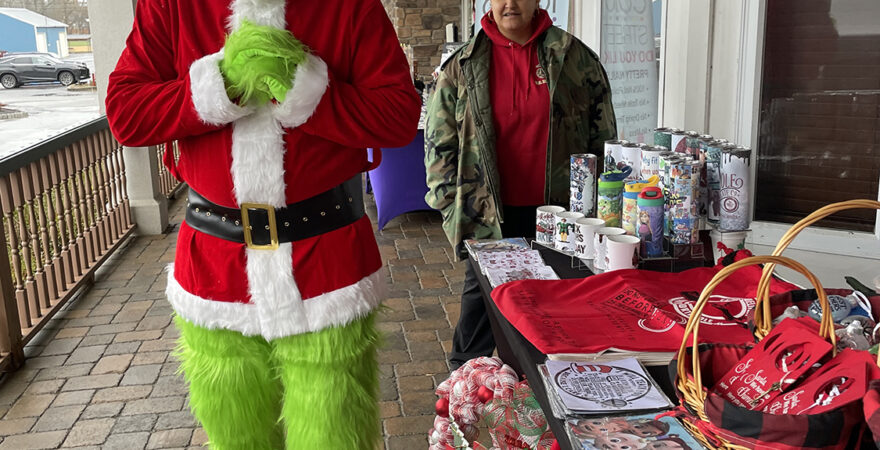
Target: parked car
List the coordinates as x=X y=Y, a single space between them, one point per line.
x=22 y=68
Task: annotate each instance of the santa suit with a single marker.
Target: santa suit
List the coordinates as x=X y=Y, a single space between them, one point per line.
x=353 y=92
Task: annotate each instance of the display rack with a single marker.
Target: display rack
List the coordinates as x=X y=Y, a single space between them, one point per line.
x=676 y=257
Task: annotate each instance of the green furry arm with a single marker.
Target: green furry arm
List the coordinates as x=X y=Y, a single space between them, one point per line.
x=259 y=63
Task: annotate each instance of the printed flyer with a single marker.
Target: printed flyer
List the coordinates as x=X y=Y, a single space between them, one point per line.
x=632 y=432
x=611 y=387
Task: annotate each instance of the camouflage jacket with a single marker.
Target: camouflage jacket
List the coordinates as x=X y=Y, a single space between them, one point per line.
x=462 y=175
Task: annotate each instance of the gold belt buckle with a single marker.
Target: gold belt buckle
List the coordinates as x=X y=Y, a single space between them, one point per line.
x=273 y=230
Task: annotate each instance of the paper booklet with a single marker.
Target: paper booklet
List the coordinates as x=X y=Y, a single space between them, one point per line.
x=475 y=246
x=610 y=388
x=504 y=260
x=635 y=432
x=613 y=354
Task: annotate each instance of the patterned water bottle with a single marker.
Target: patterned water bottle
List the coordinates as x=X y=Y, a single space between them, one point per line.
x=610 y=202
x=651 y=220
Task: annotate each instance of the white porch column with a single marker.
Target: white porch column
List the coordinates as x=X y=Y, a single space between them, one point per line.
x=686 y=54
x=585 y=23
x=110 y=22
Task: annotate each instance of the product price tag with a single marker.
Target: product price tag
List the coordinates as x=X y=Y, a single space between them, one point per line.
x=838 y=382
x=775 y=363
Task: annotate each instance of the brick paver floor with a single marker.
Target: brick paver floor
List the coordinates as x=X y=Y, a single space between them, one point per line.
x=100 y=375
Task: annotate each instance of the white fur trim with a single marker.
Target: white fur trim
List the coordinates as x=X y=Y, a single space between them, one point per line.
x=211 y=314
x=209 y=92
x=343 y=305
x=260 y=12
x=274 y=291
x=258 y=159
x=309 y=85
x=334 y=308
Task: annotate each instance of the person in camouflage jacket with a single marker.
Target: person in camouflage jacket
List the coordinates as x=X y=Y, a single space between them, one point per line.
x=509 y=109
x=460 y=156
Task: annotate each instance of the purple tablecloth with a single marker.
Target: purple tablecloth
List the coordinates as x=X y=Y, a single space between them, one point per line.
x=399 y=182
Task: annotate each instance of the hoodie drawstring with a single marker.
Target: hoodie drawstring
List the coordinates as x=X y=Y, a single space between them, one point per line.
x=512 y=51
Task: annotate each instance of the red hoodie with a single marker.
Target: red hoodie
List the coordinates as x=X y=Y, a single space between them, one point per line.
x=521 y=113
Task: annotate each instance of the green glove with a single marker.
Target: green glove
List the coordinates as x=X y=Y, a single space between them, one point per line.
x=259 y=63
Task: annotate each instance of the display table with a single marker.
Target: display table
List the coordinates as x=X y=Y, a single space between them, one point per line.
x=399 y=182
x=523 y=357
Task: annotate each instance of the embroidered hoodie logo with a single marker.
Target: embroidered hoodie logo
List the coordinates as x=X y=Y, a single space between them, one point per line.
x=540 y=75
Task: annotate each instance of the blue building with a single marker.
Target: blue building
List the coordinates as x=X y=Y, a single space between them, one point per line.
x=22 y=30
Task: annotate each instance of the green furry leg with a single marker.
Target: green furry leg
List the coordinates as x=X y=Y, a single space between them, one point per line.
x=234 y=392
x=331 y=387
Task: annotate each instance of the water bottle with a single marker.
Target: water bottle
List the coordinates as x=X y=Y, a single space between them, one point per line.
x=649 y=227
x=610 y=200
x=630 y=214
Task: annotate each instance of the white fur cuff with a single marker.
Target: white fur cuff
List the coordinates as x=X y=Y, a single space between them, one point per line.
x=209 y=92
x=309 y=84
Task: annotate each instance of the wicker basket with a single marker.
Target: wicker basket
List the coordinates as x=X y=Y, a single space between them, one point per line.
x=689 y=379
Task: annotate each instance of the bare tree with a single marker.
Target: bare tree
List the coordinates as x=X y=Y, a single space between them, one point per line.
x=74 y=13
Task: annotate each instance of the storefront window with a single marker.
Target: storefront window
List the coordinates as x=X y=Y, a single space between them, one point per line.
x=819 y=139
x=630 y=56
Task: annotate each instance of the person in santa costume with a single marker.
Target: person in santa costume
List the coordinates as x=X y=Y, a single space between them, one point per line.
x=277 y=273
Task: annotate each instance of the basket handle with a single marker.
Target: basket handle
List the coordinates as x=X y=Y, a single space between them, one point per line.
x=694 y=391
x=763 y=317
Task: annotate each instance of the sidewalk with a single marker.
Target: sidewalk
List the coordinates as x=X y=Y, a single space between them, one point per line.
x=100 y=375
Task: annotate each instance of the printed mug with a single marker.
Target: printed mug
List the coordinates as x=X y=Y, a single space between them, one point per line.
x=564 y=235
x=585 y=236
x=600 y=243
x=545 y=221
x=622 y=252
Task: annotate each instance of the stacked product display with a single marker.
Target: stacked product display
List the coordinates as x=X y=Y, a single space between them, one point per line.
x=705 y=181
x=668 y=196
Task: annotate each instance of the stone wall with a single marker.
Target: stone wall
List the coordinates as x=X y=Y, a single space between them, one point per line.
x=422 y=25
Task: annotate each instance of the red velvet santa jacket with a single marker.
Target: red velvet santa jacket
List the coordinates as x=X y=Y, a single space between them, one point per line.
x=354 y=91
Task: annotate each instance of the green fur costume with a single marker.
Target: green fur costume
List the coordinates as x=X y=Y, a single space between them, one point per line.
x=248 y=392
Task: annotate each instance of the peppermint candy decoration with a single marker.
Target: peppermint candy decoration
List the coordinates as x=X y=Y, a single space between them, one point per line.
x=463 y=396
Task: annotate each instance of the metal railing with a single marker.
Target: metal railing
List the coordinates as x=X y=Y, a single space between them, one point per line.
x=65 y=210
x=168 y=184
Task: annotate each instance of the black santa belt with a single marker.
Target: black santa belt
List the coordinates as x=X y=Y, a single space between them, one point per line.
x=262 y=226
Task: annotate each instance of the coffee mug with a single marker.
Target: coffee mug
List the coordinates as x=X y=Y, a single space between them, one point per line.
x=565 y=230
x=545 y=223
x=585 y=235
x=724 y=242
x=622 y=252
x=600 y=243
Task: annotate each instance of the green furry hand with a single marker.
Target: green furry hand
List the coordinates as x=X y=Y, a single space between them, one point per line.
x=259 y=63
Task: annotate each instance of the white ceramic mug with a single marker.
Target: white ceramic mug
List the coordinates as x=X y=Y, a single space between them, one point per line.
x=729 y=240
x=545 y=223
x=623 y=252
x=585 y=235
x=565 y=230
x=600 y=243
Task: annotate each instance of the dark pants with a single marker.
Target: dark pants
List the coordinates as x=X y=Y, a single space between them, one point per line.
x=473 y=334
